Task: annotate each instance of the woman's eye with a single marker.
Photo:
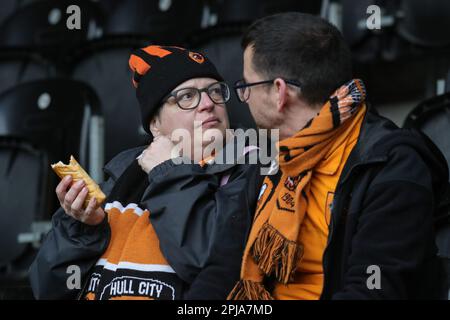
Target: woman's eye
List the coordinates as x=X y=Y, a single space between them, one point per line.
x=216 y=91
x=186 y=96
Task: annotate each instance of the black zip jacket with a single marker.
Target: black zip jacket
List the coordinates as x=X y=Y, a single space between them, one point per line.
x=383 y=211
x=210 y=220
x=382 y=215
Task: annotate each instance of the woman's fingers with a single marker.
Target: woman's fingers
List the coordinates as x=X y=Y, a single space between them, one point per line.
x=93 y=215
x=92 y=206
x=73 y=193
x=61 y=188
x=77 y=205
x=73 y=200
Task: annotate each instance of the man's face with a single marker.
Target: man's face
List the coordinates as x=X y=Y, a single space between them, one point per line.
x=264 y=102
x=261 y=99
x=208 y=115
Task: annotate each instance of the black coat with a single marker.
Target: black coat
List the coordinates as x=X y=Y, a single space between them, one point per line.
x=210 y=223
x=382 y=215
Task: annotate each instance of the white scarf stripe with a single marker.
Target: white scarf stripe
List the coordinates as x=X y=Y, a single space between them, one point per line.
x=134 y=266
x=119 y=206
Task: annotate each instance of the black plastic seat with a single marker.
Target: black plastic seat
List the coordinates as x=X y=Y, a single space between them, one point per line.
x=41 y=122
x=60 y=116
x=407 y=28
x=17 y=67
x=432 y=117
x=104 y=66
x=11 y=6
x=42 y=25
x=24 y=196
x=377 y=44
x=238 y=11
x=425 y=25
x=162 y=21
x=8 y=7
x=390 y=50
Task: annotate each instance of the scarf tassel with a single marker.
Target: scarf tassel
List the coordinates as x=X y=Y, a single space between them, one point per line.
x=275 y=254
x=249 y=290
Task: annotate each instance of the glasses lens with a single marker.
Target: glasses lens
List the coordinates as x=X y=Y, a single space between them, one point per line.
x=243 y=91
x=219 y=92
x=187 y=98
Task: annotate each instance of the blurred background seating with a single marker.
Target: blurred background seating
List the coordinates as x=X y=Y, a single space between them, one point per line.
x=41 y=122
x=68 y=92
x=103 y=65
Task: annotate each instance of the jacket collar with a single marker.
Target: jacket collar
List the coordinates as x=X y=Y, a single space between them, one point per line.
x=379 y=135
x=119 y=163
x=231 y=155
x=115 y=167
x=373 y=129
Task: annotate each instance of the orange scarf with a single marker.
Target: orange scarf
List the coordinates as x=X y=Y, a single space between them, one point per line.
x=272 y=249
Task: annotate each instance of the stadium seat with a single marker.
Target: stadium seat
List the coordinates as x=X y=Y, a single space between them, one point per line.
x=432 y=117
x=43 y=25
x=17 y=67
x=8 y=7
x=11 y=6
x=371 y=44
x=60 y=116
x=104 y=66
x=238 y=11
x=161 y=21
x=41 y=122
x=405 y=28
x=24 y=197
x=425 y=25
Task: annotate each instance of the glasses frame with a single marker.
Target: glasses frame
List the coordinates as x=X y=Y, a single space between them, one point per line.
x=246 y=85
x=174 y=93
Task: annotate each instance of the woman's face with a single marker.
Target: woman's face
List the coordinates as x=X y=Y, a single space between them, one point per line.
x=208 y=117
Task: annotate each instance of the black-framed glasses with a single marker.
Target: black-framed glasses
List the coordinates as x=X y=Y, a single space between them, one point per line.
x=189 y=98
x=242 y=88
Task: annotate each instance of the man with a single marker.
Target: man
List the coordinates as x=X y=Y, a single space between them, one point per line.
x=354 y=196
x=207 y=208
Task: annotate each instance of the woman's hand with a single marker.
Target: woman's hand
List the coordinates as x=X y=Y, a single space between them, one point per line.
x=71 y=199
x=157 y=152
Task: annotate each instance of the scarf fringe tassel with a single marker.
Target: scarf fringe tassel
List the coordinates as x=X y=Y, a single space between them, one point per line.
x=249 y=290
x=276 y=255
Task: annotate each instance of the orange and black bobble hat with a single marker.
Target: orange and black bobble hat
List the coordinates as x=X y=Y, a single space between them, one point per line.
x=160 y=69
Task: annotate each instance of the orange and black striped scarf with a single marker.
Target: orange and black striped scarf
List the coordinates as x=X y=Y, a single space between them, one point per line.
x=272 y=249
x=133 y=266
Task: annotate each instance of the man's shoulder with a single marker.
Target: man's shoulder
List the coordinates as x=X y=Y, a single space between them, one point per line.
x=402 y=153
x=380 y=137
x=374 y=130
x=410 y=156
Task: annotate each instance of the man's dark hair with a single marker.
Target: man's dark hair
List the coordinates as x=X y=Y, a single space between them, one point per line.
x=301 y=47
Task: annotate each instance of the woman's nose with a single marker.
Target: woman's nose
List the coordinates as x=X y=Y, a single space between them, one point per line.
x=205 y=102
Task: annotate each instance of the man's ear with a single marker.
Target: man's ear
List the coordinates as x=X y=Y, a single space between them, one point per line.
x=281 y=94
x=155 y=126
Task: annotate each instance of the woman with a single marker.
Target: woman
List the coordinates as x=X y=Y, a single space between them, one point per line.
x=122 y=249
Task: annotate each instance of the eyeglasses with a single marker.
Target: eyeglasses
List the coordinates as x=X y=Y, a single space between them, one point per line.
x=189 y=98
x=242 y=88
